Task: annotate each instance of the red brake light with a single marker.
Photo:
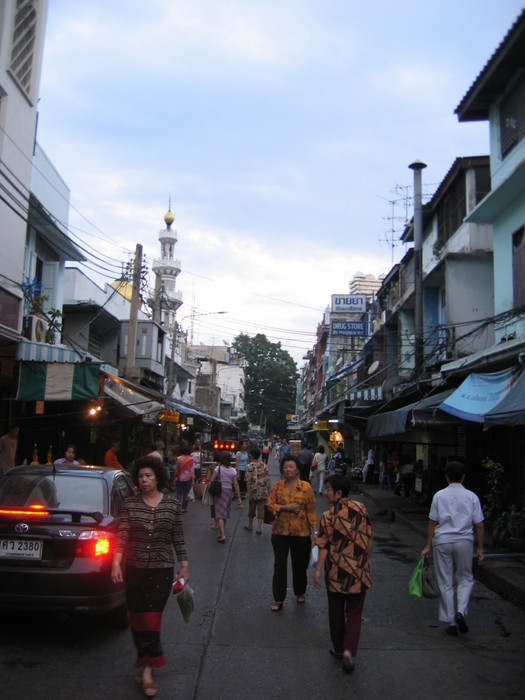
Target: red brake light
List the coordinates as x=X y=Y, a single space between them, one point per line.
x=35 y=509
x=94 y=543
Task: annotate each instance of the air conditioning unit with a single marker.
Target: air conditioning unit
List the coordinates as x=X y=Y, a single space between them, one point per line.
x=37 y=329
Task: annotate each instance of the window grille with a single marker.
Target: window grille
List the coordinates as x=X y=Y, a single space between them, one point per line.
x=24 y=38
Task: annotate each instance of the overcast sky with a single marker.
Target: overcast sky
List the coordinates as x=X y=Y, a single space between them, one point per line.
x=281 y=129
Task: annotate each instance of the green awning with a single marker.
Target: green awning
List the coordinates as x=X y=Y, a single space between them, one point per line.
x=58 y=381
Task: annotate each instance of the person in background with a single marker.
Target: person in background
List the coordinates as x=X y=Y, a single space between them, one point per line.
x=257 y=489
x=196 y=453
x=265 y=451
x=184 y=476
x=110 y=458
x=319 y=472
x=8 y=447
x=153 y=452
x=222 y=503
x=283 y=449
x=150 y=529
x=293 y=503
x=368 y=469
x=345 y=541
x=455 y=513
x=305 y=457
x=241 y=460
x=69 y=458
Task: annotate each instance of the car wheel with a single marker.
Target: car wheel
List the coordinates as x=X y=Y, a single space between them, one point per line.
x=119 y=617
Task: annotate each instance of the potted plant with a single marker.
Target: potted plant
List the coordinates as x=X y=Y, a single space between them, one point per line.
x=509 y=529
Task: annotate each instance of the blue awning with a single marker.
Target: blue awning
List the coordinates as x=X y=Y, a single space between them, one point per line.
x=479 y=394
x=511 y=410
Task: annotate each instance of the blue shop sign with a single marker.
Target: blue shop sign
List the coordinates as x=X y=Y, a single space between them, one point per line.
x=348 y=328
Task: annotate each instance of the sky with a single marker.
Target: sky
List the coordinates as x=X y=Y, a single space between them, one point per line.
x=281 y=131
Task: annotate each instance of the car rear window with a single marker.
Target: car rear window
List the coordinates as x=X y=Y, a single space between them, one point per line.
x=62 y=491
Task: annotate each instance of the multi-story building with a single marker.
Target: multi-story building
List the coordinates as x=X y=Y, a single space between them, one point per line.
x=22 y=29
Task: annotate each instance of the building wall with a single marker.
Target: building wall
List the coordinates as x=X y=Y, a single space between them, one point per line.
x=18 y=121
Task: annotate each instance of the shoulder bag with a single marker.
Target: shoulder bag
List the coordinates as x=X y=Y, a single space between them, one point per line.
x=215 y=488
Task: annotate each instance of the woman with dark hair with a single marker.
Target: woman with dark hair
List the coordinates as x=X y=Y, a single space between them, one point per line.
x=345 y=541
x=184 y=476
x=227 y=475
x=69 y=458
x=293 y=503
x=150 y=529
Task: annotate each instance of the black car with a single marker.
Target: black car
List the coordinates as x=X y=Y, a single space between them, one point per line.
x=57 y=539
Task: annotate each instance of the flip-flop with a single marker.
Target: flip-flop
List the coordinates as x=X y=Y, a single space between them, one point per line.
x=258 y=532
x=276 y=607
x=301 y=600
x=221 y=540
x=248 y=528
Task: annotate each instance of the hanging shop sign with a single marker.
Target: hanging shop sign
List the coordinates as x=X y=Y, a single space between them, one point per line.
x=348 y=303
x=169 y=417
x=348 y=328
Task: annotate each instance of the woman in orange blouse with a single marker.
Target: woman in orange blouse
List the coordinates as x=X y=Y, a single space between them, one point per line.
x=293 y=503
x=345 y=541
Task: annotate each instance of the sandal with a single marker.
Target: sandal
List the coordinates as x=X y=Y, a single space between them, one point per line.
x=335 y=654
x=149 y=689
x=222 y=540
x=276 y=607
x=301 y=599
x=248 y=528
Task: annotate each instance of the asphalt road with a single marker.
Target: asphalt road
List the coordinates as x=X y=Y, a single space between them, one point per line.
x=235 y=647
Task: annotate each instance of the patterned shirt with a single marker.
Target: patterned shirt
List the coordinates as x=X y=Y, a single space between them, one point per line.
x=147 y=536
x=347 y=534
x=286 y=522
x=257 y=481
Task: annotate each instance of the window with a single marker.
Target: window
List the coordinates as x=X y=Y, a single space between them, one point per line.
x=518 y=266
x=512 y=117
x=24 y=38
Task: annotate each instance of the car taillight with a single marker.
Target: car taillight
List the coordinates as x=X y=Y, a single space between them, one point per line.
x=94 y=543
x=32 y=510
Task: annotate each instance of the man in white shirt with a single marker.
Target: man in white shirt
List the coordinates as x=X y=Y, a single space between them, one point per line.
x=454 y=515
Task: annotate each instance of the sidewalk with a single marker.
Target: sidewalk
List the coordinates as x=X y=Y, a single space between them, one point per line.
x=503 y=572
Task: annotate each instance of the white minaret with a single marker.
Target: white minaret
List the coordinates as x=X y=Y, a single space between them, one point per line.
x=166 y=268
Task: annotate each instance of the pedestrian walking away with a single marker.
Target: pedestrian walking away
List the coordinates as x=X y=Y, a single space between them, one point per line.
x=293 y=503
x=229 y=482
x=241 y=461
x=184 y=476
x=318 y=473
x=455 y=513
x=150 y=529
x=345 y=541
x=257 y=489
x=265 y=450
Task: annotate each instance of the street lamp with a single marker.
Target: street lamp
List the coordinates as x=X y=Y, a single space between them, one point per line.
x=173 y=339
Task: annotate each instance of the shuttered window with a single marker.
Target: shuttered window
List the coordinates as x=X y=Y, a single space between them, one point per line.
x=512 y=117
x=518 y=266
x=24 y=37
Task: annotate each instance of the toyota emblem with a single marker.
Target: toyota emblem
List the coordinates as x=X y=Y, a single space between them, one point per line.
x=21 y=528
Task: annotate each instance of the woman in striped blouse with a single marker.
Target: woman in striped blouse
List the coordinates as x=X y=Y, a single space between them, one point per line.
x=150 y=529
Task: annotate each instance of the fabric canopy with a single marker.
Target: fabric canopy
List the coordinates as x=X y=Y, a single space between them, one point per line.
x=395 y=422
x=60 y=381
x=511 y=410
x=479 y=394
x=132 y=399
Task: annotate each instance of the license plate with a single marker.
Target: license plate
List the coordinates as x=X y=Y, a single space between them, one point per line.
x=20 y=549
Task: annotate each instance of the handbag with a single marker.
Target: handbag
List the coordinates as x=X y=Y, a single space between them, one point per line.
x=314 y=464
x=207 y=498
x=415 y=585
x=429 y=586
x=269 y=515
x=215 y=488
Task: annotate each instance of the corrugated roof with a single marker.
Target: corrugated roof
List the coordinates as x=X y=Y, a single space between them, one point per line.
x=500 y=68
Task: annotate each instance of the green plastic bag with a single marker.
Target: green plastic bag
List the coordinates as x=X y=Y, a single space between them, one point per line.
x=415 y=585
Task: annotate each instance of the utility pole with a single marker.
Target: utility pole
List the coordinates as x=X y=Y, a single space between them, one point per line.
x=417 y=167
x=131 y=370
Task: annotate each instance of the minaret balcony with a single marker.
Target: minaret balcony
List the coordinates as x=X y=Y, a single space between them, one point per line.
x=163 y=266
